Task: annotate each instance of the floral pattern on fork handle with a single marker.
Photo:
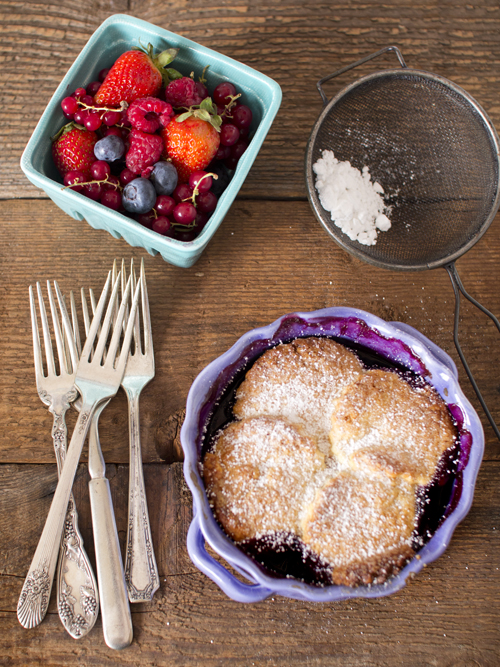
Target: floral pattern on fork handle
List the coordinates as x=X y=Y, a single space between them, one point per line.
x=141 y=571
x=77 y=596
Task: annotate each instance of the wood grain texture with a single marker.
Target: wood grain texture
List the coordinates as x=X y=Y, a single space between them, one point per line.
x=294 y=42
x=447 y=615
x=269 y=257
x=265 y=260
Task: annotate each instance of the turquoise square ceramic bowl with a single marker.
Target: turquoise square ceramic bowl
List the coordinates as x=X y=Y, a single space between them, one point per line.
x=116 y=35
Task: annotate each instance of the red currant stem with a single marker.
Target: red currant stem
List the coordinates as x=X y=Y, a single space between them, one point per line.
x=155 y=212
x=196 y=191
x=122 y=107
x=202 y=77
x=230 y=105
x=184 y=227
x=116 y=186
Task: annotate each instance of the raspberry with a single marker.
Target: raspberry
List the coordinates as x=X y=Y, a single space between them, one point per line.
x=183 y=93
x=149 y=113
x=144 y=150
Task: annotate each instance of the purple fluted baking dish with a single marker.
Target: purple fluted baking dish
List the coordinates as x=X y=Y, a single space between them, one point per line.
x=399 y=344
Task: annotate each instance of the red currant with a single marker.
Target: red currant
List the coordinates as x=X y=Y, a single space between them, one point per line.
x=113 y=130
x=200 y=221
x=69 y=105
x=103 y=74
x=111 y=118
x=111 y=183
x=163 y=226
x=184 y=213
x=229 y=134
x=223 y=152
x=187 y=236
x=206 y=202
x=80 y=92
x=147 y=219
x=93 y=122
x=124 y=121
x=72 y=178
x=80 y=116
x=93 y=191
x=126 y=176
x=165 y=205
x=112 y=199
x=201 y=180
x=242 y=117
x=223 y=92
x=239 y=148
x=93 y=87
x=99 y=170
x=181 y=192
x=236 y=152
x=87 y=99
x=201 y=89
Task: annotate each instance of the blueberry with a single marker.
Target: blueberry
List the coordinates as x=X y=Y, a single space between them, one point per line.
x=109 y=148
x=221 y=183
x=164 y=178
x=139 y=196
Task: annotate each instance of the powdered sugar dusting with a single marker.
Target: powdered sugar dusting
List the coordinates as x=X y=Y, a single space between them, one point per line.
x=273 y=474
x=353 y=200
x=299 y=381
x=256 y=465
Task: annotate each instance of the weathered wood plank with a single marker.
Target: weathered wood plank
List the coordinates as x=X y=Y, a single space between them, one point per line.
x=447 y=615
x=294 y=42
x=266 y=260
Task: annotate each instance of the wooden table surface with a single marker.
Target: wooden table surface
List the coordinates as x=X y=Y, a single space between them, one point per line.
x=269 y=257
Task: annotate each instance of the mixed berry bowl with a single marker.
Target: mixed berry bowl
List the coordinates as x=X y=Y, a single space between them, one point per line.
x=400 y=345
x=116 y=35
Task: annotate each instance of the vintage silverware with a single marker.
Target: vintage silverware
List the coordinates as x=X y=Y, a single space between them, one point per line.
x=141 y=571
x=96 y=380
x=77 y=597
x=107 y=546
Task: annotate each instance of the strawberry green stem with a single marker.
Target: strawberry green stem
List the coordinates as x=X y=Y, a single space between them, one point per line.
x=66 y=128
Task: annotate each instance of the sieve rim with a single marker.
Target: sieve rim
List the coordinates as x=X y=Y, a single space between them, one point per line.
x=339 y=237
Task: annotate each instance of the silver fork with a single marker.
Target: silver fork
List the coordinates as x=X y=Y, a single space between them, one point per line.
x=96 y=380
x=141 y=571
x=77 y=597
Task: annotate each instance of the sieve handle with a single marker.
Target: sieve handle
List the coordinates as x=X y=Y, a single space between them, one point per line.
x=359 y=62
x=458 y=288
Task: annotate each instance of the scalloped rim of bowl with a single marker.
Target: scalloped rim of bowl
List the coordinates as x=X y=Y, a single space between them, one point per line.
x=442 y=375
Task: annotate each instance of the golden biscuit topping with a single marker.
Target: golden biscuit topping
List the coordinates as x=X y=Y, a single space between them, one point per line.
x=382 y=424
x=298 y=381
x=329 y=454
x=257 y=474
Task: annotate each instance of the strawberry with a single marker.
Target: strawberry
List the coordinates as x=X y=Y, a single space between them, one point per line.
x=135 y=74
x=192 y=139
x=73 y=149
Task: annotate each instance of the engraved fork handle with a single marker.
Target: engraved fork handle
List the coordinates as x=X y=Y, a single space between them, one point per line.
x=141 y=572
x=77 y=597
x=116 y=618
x=35 y=594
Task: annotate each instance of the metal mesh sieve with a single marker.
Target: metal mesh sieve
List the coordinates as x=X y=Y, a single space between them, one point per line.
x=435 y=153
